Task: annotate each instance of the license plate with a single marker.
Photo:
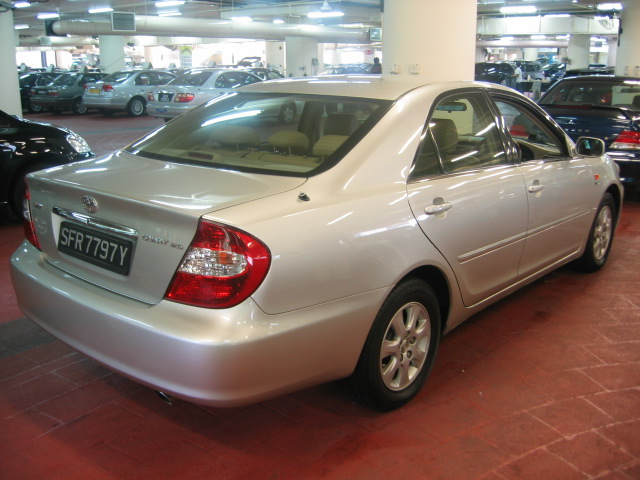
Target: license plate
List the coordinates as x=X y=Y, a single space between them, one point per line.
x=94 y=90
x=165 y=97
x=107 y=251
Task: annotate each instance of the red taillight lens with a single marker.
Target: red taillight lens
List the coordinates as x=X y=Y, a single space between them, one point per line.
x=222 y=268
x=27 y=222
x=519 y=130
x=54 y=93
x=150 y=96
x=184 y=97
x=627 y=140
x=107 y=88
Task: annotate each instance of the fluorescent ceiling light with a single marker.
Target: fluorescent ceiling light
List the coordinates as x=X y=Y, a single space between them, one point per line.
x=563 y=37
x=21 y=4
x=609 y=6
x=278 y=21
x=169 y=3
x=518 y=9
x=508 y=38
x=325 y=14
x=100 y=10
x=20 y=26
x=558 y=15
x=44 y=16
x=169 y=14
x=538 y=37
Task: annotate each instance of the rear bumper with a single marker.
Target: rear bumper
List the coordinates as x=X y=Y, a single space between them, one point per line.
x=52 y=103
x=220 y=358
x=168 y=111
x=629 y=163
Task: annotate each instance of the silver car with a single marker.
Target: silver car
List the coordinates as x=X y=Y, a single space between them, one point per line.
x=125 y=90
x=225 y=258
x=194 y=87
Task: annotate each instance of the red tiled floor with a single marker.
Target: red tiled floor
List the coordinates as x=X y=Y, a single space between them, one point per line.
x=543 y=385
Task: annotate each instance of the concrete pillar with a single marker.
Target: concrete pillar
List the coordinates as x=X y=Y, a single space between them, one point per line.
x=612 y=54
x=578 y=51
x=9 y=84
x=111 y=53
x=274 y=55
x=300 y=53
x=429 y=38
x=628 y=58
x=530 y=54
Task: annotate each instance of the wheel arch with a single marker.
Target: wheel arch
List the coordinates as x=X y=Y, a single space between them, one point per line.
x=440 y=285
x=616 y=193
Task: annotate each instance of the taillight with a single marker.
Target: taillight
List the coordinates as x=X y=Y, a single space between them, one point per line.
x=107 y=88
x=222 y=268
x=27 y=221
x=184 y=97
x=54 y=93
x=519 y=130
x=150 y=96
x=627 y=140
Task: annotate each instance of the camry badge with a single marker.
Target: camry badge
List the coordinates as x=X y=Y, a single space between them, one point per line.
x=90 y=204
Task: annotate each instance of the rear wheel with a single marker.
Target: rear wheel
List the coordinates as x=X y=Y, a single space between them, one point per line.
x=400 y=349
x=136 y=107
x=34 y=108
x=600 y=237
x=78 y=107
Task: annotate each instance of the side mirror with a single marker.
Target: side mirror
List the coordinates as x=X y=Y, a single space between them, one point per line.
x=590 y=147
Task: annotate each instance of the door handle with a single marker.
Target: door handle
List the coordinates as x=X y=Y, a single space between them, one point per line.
x=439 y=206
x=535 y=187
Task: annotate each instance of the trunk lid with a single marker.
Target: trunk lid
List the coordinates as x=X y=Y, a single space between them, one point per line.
x=587 y=121
x=124 y=222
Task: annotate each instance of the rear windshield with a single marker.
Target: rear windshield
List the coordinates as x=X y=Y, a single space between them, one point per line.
x=117 y=77
x=610 y=94
x=65 y=80
x=292 y=135
x=192 y=78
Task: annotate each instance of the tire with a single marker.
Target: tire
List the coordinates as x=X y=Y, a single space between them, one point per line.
x=136 y=107
x=400 y=349
x=287 y=113
x=34 y=108
x=600 y=237
x=78 y=107
x=16 y=194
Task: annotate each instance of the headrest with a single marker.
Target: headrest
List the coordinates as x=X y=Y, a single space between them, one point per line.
x=340 y=124
x=234 y=135
x=328 y=144
x=290 y=141
x=445 y=134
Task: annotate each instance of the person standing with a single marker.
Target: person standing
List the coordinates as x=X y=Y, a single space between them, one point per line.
x=376 y=67
x=517 y=75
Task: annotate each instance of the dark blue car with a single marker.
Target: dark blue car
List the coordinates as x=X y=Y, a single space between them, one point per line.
x=606 y=107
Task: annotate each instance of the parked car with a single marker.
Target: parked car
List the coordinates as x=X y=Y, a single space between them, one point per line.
x=554 y=71
x=27 y=146
x=531 y=69
x=195 y=87
x=265 y=73
x=65 y=92
x=605 y=107
x=124 y=90
x=501 y=73
x=578 y=72
x=225 y=259
x=348 y=69
x=29 y=80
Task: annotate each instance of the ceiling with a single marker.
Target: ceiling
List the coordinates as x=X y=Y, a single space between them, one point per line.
x=363 y=13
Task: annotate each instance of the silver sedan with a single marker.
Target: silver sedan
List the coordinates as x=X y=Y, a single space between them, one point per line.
x=226 y=258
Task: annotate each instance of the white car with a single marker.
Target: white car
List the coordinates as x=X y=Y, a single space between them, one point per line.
x=226 y=258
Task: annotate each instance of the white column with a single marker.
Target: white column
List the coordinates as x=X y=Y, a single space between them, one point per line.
x=9 y=85
x=111 y=53
x=429 y=38
x=612 y=53
x=578 y=51
x=628 y=58
x=299 y=55
x=274 y=55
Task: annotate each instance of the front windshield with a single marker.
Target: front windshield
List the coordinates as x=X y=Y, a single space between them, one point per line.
x=614 y=93
x=293 y=135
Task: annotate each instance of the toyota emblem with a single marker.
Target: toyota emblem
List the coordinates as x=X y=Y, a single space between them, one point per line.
x=90 y=204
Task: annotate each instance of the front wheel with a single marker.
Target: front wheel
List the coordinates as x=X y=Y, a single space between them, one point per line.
x=400 y=348
x=136 y=107
x=600 y=237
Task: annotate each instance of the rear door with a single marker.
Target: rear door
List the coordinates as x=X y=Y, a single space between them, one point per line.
x=468 y=199
x=560 y=188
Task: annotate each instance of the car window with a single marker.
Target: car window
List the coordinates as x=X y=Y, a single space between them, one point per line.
x=117 y=77
x=461 y=134
x=144 y=79
x=192 y=78
x=163 y=78
x=65 y=80
x=594 y=93
x=293 y=135
x=534 y=138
